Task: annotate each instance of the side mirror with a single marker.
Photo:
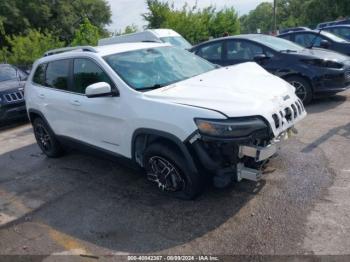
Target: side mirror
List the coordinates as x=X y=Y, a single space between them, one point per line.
x=325 y=44
x=260 y=58
x=99 y=90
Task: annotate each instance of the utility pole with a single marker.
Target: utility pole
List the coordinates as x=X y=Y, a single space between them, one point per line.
x=274 y=17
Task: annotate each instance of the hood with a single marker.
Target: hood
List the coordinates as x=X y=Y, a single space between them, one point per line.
x=323 y=54
x=240 y=90
x=11 y=85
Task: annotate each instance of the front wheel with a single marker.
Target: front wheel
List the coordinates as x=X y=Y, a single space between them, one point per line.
x=302 y=88
x=168 y=170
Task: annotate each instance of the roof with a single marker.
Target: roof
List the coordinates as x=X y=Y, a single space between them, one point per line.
x=125 y=47
x=163 y=32
x=106 y=50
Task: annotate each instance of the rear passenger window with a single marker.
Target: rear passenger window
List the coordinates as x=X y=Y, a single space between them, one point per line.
x=57 y=74
x=87 y=73
x=39 y=75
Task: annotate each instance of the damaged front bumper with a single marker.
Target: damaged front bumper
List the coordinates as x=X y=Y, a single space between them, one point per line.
x=230 y=161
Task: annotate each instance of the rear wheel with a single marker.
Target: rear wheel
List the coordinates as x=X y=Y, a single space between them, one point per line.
x=302 y=88
x=168 y=170
x=46 y=139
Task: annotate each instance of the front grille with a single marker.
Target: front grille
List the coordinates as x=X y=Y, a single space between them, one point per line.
x=14 y=97
x=288 y=114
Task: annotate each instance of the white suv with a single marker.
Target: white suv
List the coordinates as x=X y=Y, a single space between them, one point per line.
x=169 y=111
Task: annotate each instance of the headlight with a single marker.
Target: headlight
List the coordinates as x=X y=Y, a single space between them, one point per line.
x=323 y=63
x=239 y=127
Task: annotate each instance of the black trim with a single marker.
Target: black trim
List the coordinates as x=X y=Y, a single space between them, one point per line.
x=96 y=151
x=184 y=150
x=110 y=94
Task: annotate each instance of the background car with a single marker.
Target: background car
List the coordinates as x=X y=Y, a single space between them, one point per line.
x=294 y=29
x=311 y=72
x=338 y=22
x=317 y=38
x=12 y=105
x=340 y=30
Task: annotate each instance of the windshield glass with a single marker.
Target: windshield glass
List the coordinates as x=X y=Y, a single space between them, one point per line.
x=278 y=44
x=177 y=41
x=8 y=73
x=333 y=37
x=157 y=67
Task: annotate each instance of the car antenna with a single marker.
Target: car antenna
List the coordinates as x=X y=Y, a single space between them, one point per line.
x=314 y=39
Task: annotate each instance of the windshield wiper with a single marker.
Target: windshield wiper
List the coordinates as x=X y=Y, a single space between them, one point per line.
x=288 y=51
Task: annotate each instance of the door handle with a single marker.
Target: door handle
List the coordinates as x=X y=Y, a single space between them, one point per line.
x=75 y=103
x=42 y=96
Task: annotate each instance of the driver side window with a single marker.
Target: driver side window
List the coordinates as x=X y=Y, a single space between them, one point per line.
x=243 y=50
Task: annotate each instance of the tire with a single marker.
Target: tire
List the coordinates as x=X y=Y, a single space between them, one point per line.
x=46 y=139
x=302 y=88
x=182 y=183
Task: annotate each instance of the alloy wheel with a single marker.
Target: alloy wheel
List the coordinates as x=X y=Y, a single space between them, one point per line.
x=43 y=137
x=165 y=175
x=300 y=90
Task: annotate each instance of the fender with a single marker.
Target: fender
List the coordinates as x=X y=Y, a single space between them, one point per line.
x=181 y=146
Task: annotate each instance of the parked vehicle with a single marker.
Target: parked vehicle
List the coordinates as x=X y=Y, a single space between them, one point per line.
x=150 y=35
x=340 y=30
x=12 y=82
x=311 y=72
x=171 y=112
x=330 y=23
x=294 y=29
x=319 y=39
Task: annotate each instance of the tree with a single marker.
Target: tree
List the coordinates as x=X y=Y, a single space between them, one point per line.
x=87 y=34
x=61 y=17
x=259 y=18
x=193 y=23
x=25 y=49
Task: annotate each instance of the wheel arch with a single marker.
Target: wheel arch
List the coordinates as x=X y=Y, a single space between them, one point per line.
x=143 y=137
x=285 y=77
x=33 y=113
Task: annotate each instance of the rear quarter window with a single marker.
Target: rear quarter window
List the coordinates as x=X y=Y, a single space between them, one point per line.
x=39 y=75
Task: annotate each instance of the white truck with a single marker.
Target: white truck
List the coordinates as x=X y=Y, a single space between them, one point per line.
x=150 y=35
x=169 y=111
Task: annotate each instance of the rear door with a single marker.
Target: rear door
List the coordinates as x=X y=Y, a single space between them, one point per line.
x=52 y=83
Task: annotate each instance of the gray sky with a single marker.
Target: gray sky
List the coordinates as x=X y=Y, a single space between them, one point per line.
x=127 y=12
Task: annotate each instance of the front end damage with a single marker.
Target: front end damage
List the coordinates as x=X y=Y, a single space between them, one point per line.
x=234 y=158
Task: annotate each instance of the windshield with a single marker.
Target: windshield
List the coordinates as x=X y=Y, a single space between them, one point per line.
x=278 y=44
x=177 y=41
x=157 y=67
x=343 y=32
x=8 y=73
x=333 y=37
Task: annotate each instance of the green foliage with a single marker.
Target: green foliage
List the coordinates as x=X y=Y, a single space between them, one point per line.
x=25 y=49
x=192 y=23
x=127 y=30
x=87 y=34
x=259 y=18
x=292 y=13
x=61 y=17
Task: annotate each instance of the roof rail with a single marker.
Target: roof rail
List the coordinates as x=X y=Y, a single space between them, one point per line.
x=67 y=49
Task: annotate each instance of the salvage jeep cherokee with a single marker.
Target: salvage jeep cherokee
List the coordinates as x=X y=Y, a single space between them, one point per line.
x=173 y=113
